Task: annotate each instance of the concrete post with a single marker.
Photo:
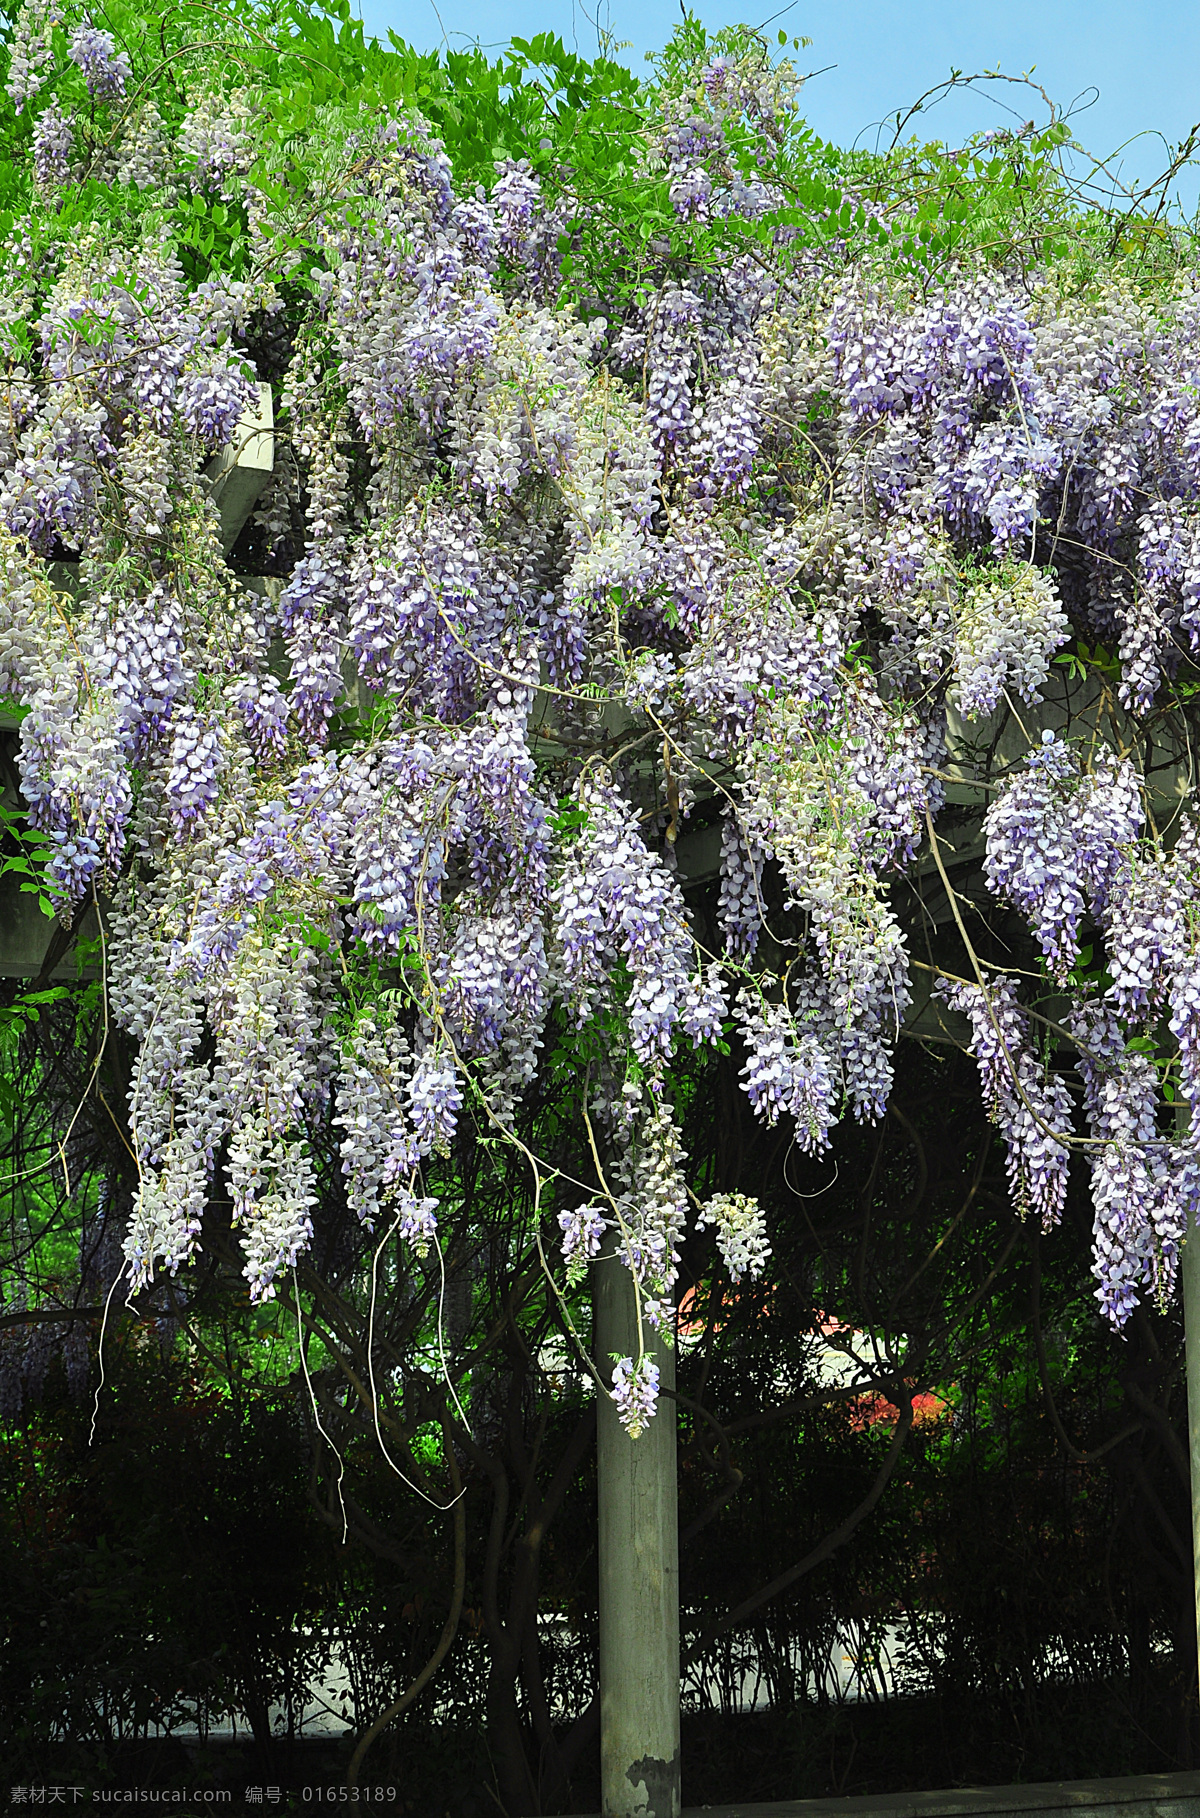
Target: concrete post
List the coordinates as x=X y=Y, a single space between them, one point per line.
x=639 y=1576
x=1190 y=1269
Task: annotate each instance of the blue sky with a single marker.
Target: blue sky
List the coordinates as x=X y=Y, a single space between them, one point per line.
x=1137 y=65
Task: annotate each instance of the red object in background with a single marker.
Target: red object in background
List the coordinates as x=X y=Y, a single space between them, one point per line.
x=869 y=1410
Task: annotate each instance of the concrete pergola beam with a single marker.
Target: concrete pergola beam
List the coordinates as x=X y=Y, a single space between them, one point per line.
x=237 y=475
x=26 y=935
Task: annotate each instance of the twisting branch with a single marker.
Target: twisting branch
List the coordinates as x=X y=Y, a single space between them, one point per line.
x=449 y=1630
x=829 y=1545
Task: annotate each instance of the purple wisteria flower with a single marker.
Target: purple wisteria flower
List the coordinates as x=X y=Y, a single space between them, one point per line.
x=635 y=1392
x=583 y=1232
x=105 y=69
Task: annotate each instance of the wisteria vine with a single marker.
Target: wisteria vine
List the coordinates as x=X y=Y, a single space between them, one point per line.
x=785 y=548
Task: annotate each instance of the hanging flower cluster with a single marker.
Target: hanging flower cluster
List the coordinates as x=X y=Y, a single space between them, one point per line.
x=568 y=586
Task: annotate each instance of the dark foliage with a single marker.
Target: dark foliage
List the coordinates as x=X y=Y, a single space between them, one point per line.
x=1023 y=1554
